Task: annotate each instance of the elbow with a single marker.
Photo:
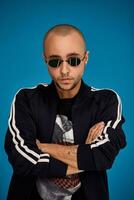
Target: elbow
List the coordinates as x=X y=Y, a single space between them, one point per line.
x=21 y=168
x=109 y=165
x=122 y=141
x=104 y=164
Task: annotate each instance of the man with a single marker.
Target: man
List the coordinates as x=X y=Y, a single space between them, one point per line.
x=63 y=137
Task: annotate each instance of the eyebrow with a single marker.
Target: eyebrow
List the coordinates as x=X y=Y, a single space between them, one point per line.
x=73 y=54
x=68 y=55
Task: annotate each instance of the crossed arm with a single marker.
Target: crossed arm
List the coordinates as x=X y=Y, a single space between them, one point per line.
x=68 y=154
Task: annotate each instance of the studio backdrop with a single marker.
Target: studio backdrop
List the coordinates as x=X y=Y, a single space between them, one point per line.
x=109 y=32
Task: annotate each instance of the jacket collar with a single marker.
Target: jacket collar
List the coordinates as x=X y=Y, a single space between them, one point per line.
x=51 y=99
x=82 y=95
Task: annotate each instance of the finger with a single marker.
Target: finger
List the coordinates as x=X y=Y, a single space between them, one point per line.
x=41 y=147
x=96 y=126
x=94 y=131
x=89 y=137
x=37 y=141
x=39 y=144
x=89 y=141
x=97 y=132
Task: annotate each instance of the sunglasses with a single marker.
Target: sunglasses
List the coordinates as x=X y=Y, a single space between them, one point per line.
x=73 y=61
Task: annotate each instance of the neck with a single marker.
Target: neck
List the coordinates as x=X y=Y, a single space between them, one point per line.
x=67 y=94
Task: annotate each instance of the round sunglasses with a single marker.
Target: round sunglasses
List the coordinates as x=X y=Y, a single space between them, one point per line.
x=73 y=61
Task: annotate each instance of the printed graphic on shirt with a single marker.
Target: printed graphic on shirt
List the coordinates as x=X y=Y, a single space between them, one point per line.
x=63 y=130
x=60 y=188
x=63 y=134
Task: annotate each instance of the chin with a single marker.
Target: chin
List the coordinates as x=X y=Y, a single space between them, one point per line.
x=65 y=87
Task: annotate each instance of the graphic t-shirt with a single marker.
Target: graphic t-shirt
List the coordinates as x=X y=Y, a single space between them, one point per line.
x=63 y=129
x=61 y=188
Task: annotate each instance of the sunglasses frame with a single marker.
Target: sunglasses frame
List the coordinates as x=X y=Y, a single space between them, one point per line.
x=67 y=60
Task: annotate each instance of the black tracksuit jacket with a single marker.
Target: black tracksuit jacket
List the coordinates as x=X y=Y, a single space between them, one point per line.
x=33 y=114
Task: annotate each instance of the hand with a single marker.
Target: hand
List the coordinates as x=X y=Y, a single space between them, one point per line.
x=94 y=132
x=73 y=170
x=40 y=145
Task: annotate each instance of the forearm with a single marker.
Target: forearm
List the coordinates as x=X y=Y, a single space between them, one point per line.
x=66 y=154
x=72 y=170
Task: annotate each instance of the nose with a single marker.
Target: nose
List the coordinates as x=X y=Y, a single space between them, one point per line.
x=64 y=68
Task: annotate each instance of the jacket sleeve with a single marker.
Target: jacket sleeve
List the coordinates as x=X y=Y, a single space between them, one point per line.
x=100 y=154
x=20 y=143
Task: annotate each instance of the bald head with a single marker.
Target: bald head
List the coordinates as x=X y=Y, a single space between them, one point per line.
x=63 y=30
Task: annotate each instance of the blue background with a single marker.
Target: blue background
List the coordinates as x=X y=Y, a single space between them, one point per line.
x=108 y=28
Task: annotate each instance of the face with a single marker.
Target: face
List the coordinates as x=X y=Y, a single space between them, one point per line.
x=66 y=77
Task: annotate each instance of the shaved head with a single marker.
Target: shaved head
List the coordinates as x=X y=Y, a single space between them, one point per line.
x=63 y=30
x=63 y=42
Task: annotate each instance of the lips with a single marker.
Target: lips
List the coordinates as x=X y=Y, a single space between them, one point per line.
x=65 y=80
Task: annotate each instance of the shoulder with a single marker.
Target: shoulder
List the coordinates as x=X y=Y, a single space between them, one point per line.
x=106 y=95
x=31 y=92
x=104 y=92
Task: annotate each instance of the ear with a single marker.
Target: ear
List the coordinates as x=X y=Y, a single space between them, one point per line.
x=86 y=57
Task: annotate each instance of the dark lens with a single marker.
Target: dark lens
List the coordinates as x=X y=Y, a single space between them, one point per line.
x=74 y=61
x=54 y=62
